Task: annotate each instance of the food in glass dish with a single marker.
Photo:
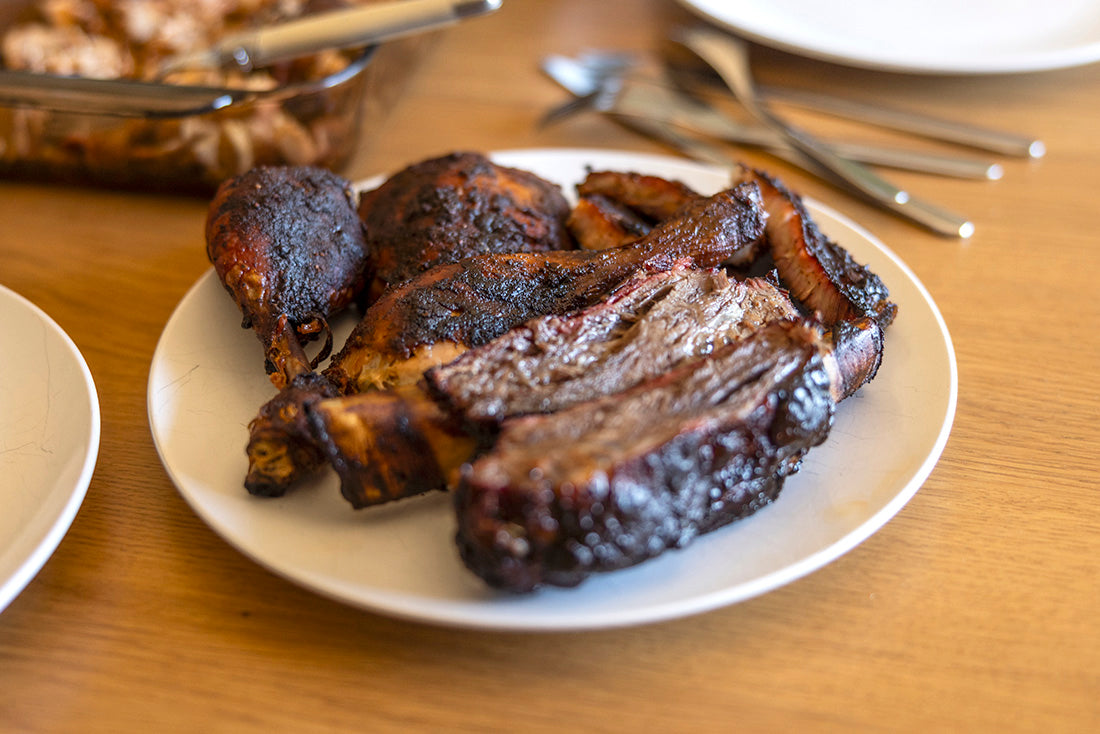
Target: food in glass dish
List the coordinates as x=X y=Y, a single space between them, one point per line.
x=308 y=111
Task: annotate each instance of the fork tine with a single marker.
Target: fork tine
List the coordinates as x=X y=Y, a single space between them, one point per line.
x=568 y=108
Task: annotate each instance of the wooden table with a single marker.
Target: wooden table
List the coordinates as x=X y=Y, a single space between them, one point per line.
x=975 y=609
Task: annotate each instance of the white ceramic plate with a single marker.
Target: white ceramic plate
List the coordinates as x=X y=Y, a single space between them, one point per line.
x=207 y=382
x=49 y=439
x=934 y=36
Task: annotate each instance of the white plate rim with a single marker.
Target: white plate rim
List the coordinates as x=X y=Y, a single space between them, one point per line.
x=31 y=550
x=891 y=58
x=479 y=615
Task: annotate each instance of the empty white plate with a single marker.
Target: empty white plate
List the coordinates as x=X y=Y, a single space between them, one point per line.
x=49 y=439
x=934 y=36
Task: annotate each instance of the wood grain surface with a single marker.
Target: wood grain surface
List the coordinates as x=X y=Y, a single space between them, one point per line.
x=975 y=609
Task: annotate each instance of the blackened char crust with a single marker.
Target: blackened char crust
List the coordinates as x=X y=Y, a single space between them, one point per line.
x=455 y=206
x=818 y=271
x=268 y=230
x=287 y=244
x=845 y=295
x=613 y=482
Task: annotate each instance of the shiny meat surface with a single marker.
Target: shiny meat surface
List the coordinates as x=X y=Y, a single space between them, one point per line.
x=818 y=272
x=616 y=207
x=652 y=197
x=445 y=209
x=612 y=482
x=472 y=301
x=598 y=223
x=647 y=326
x=827 y=280
x=389 y=444
x=288 y=246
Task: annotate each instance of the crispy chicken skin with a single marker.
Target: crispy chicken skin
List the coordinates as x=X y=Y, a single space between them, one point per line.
x=288 y=246
x=389 y=444
x=445 y=209
x=281 y=446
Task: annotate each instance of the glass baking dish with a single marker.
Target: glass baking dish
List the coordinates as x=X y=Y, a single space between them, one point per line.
x=187 y=139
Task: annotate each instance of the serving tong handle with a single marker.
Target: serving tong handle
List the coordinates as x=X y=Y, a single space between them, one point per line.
x=729 y=58
x=113 y=97
x=337 y=29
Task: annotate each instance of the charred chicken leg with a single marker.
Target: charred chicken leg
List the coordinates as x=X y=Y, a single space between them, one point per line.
x=288 y=246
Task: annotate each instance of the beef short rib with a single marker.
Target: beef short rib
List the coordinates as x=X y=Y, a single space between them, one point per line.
x=612 y=482
x=648 y=325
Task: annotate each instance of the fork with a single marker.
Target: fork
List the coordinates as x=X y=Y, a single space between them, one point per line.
x=687 y=72
x=614 y=84
x=729 y=57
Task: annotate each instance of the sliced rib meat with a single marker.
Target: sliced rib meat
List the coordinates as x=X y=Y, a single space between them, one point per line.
x=828 y=281
x=819 y=272
x=388 y=444
x=598 y=223
x=652 y=197
x=648 y=325
x=612 y=482
x=617 y=207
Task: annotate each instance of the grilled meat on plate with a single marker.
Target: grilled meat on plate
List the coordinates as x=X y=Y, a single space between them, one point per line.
x=280 y=239
x=611 y=482
x=648 y=325
x=642 y=329
x=444 y=209
x=455 y=306
x=592 y=408
x=287 y=244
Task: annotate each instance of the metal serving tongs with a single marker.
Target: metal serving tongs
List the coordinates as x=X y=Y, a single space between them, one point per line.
x=729 y=58
x=361 y=26
x=337 y=29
